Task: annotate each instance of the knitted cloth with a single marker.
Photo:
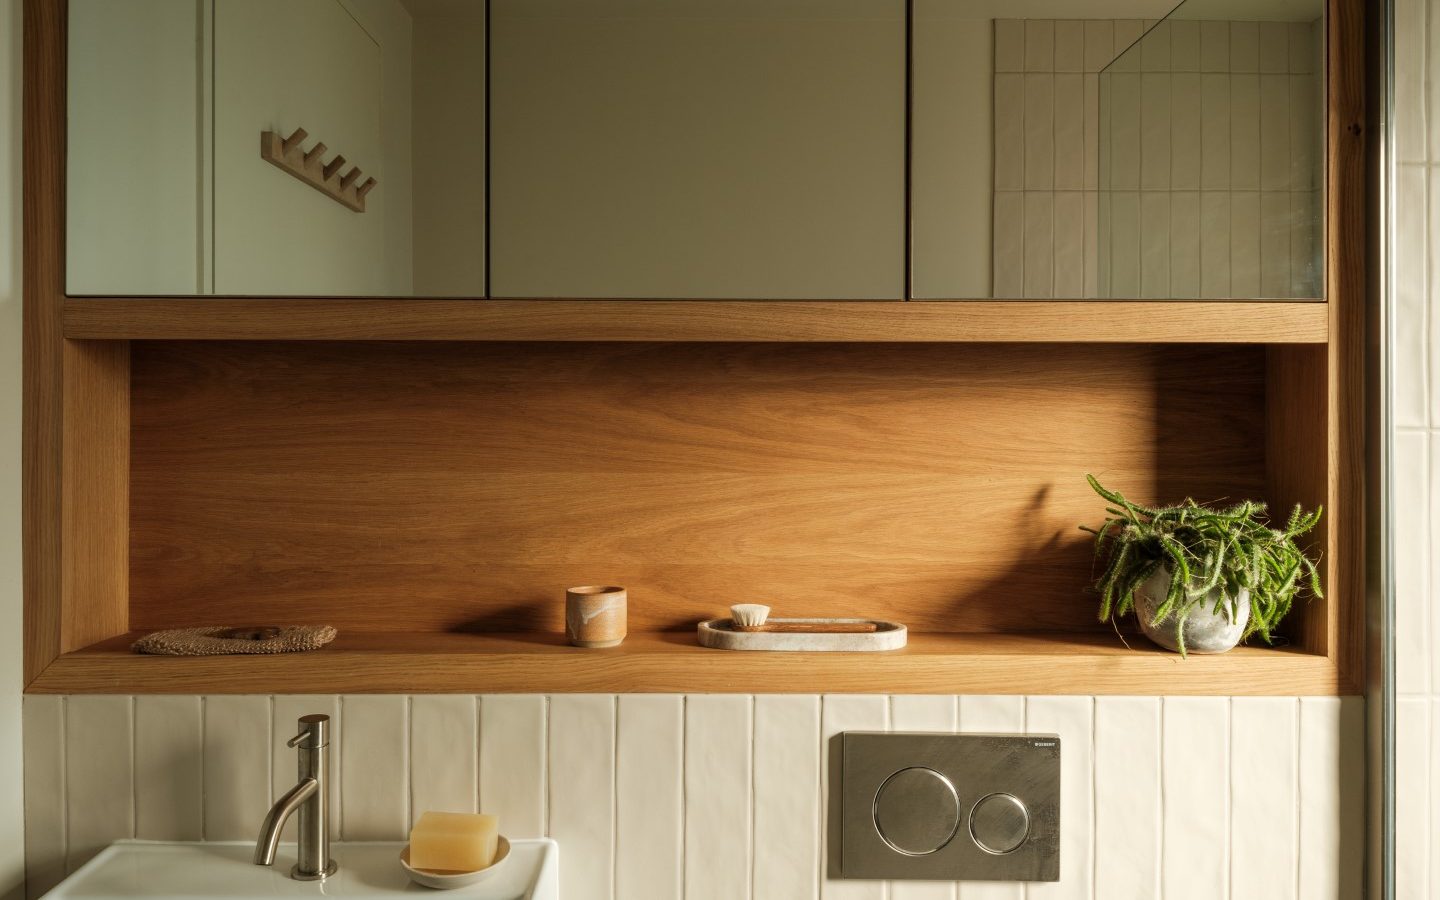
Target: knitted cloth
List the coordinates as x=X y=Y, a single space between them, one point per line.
x=204 y=642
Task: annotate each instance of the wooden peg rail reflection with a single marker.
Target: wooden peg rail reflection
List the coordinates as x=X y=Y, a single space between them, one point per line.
x=308 y=166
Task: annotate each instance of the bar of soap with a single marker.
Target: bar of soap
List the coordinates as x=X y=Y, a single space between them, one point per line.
x=454 y=842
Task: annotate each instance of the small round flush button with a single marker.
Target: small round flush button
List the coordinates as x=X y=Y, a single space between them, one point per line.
x=917 y=811
x=999 y=823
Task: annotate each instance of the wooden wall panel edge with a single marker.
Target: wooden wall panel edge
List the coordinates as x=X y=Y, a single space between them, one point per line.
x=43 y=404
x=1347 y=187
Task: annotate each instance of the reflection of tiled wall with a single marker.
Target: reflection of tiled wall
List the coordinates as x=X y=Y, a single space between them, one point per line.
x=719 y=796
x=1210 y=136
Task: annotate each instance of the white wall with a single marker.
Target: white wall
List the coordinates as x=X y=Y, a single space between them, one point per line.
x=1415 y=499
x=722 y=796
x=12 y=860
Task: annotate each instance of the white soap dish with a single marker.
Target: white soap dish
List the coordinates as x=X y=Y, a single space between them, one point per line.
x=442 y=880
x=721 y=634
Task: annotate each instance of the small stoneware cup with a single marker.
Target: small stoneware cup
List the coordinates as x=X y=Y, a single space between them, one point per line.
x=595 y=615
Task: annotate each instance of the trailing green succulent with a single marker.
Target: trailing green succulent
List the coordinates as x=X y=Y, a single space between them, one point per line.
x=1203 y=549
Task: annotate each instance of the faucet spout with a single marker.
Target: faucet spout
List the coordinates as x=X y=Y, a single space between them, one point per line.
x=275 y=820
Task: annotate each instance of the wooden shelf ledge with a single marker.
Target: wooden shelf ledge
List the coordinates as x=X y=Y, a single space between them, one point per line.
x=674 y=663
x=958 y=321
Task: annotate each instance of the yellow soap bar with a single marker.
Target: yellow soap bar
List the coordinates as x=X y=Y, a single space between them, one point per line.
x=454 y=842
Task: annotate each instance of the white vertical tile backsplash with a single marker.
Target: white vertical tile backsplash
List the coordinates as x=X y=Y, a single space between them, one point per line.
x=582 y=792
x=1073 y=719
x=514 y=761
x=237 y=765
x=718 y=779
x=649 y=796
x=840 y=713
x=43 y=726
x=168 y=777
x=1264 y=826
x=99 y=774
x=1128 y=798
x=787 y=797
x=1195 y=732
x=444 y=764
x=374 y=766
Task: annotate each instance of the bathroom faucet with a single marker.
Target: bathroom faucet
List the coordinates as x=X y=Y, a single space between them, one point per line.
x=312 y=797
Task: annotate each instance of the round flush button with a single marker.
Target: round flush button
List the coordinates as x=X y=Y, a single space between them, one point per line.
x=917 y=811
x=999 y=823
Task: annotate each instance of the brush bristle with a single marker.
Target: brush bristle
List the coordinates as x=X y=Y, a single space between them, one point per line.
x=749 y=614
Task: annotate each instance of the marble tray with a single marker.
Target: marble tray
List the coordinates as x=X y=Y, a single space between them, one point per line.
x=720 y=635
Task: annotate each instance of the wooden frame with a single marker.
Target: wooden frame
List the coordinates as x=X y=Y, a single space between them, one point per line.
x=77 y=449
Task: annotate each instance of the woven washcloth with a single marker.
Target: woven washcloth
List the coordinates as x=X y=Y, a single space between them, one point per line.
x=206 y=642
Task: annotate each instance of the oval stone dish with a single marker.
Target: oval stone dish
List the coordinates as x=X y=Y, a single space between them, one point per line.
x=720 y=634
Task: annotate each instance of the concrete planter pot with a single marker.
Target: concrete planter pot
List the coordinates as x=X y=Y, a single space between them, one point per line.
x=1206 y=631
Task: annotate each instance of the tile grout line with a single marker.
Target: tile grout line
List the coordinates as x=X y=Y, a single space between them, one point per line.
x=134 y=763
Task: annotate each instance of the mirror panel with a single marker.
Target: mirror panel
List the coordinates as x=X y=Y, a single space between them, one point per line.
x=746 y=149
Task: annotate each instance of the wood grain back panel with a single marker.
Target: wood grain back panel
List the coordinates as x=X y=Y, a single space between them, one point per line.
x=440 y=487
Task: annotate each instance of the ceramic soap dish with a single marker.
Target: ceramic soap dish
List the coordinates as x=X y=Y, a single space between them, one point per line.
x=444 y=880
x=724 y=634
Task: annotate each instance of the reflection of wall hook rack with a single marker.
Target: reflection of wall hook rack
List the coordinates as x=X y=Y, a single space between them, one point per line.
x=308 y=167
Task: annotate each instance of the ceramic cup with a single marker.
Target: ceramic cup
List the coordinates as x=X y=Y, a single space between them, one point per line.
x=595 y=615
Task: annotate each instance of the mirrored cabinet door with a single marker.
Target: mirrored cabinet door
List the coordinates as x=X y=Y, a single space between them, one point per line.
x=698 y=148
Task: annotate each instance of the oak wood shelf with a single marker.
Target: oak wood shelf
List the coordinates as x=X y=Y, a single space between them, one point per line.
x=999 y=321
x=672 y=662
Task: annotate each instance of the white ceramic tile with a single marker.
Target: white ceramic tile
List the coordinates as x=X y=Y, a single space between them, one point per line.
x=1215 y=149
x=1070 y=45
x=1321 y=770
x=1431 y=57
x=1185 y=137
x=1274 y=243
x=285 y=713
x=99 y=792
x=787 y=797
x=1155 y=156
x=236 y=766
x=649 y=796
x=1244 y=244
x=1409 y=70
x=1244 y=47
x=1302 y=48
x=1127 y=798
x=1039 y=244
x=1184 y=46
x=374 y=767
x=513 y=761
x=1263 y=776
x=1274 y=47
x=1154 y=245
x=1305 y=138
x=1091 y=140
x=1247 y=133
x=169 y=787
x=840 y=713
x=43 y=727
x=1009 y=45
x=1069 y=132
x=1092 y=245
x=1415 y=467
x=1039 y=131
x=1196 y=734
x=1072 y=718
x=991 y=714
x=1409 y=393
x=1413 y=798
x=1307 y=264
x=1214 y=46
x=1127 y=56
x=1039 y=45
x=1185 y=244
x=1009 y=132
x=1124 y=131
x=1009 y=249
x=1124 y=244
x=1274 y=132
x=1069 y=245
x=1099 y=44
x=1104 y=245
x=582 y=792
x=1215 y=244
x=1155 y=49
x=717 y=796
x=444 y=754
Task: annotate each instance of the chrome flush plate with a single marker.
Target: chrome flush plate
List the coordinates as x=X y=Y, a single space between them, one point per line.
x=951 y=807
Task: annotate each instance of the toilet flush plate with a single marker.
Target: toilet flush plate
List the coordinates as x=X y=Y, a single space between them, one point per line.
x=951 y=807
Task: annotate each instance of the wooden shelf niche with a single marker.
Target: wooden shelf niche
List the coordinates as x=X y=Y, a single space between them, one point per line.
x=433 y=500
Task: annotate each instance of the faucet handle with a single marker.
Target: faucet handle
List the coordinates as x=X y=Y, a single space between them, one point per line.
x=314 y=733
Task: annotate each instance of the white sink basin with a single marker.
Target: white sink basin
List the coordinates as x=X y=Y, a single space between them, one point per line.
x=223 y=869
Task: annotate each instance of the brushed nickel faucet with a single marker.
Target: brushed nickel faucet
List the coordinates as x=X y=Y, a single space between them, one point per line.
x=311 y=796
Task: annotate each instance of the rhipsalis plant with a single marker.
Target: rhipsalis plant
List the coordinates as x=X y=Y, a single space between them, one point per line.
x=1202 y=549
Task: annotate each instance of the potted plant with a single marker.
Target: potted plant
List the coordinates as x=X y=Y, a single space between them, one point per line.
x=1198 y=578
